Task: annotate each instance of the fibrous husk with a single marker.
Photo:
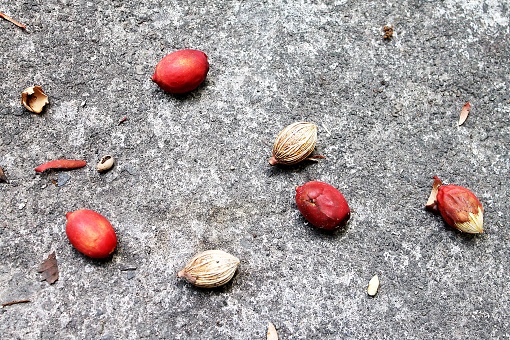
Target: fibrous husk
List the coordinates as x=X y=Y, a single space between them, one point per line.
x=209 y=269
x=34 y=99
x=294 y=144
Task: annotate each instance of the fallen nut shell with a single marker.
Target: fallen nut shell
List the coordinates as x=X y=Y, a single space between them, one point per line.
x=373 y=285
x=294 y=144
x=209 y=269
x=34 y=99
x=105 y=164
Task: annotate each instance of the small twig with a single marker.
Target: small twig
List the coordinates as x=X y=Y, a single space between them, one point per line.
x=8 y=18
x=10 y=303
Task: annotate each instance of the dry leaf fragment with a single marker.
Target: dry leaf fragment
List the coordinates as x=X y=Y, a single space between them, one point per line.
x=464 y=113
x=34 y=99
x=3 y=178
x=271 y=332
x=8 y=18
x=49 y=269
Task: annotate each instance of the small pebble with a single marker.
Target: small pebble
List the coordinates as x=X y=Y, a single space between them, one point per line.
x=62 y=179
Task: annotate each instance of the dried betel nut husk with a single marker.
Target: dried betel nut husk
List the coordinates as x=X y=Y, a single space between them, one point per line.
x=105 y=164
x=34 y=99
x=294 y=144
x=209 y=269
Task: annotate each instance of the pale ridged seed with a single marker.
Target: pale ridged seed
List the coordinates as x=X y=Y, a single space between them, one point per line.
x=294 y=144
x=209 y=269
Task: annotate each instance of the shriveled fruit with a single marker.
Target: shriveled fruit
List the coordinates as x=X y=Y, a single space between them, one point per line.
x=181 y=71
x=90 y=233
x=322 y=205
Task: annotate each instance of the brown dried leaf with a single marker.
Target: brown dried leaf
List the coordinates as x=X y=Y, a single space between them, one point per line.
x=3 y=178
x=271 y=332
x=49 y=269
x=464 y=113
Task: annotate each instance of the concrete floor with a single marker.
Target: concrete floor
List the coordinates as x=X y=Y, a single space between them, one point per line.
x=192 y=171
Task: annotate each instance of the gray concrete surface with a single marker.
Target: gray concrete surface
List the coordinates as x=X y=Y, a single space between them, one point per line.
x=192 y=171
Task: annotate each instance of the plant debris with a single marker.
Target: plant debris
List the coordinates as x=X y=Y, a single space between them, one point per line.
x=271 y=332
x=49 y=269
x=3 y=178
x=458 y=206
x=8 y=18
x=388 y=32
x=105 y=164
x=34 y=99
x=432 y=202
x=373 y=285
x=464 y=113
x=64 y=164
x=15 y=302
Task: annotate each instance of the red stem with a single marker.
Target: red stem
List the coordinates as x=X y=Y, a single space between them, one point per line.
x=66 y=164
x=8 y=18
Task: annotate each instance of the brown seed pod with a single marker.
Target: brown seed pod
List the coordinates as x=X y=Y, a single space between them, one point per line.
x=209 y=269
x=34 y=99
x=294 y=144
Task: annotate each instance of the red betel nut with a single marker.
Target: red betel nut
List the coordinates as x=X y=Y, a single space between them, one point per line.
x=181 y=71
x=90 y=233
x=459 y=207
x=322 y=205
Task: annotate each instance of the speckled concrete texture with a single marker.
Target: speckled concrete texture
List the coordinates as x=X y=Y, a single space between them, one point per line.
x=192 y=171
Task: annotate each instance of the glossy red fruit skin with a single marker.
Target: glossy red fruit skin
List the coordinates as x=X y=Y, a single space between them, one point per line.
x=455 y=203
x=181 y=71
x=91 y=233
x=322 y=205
